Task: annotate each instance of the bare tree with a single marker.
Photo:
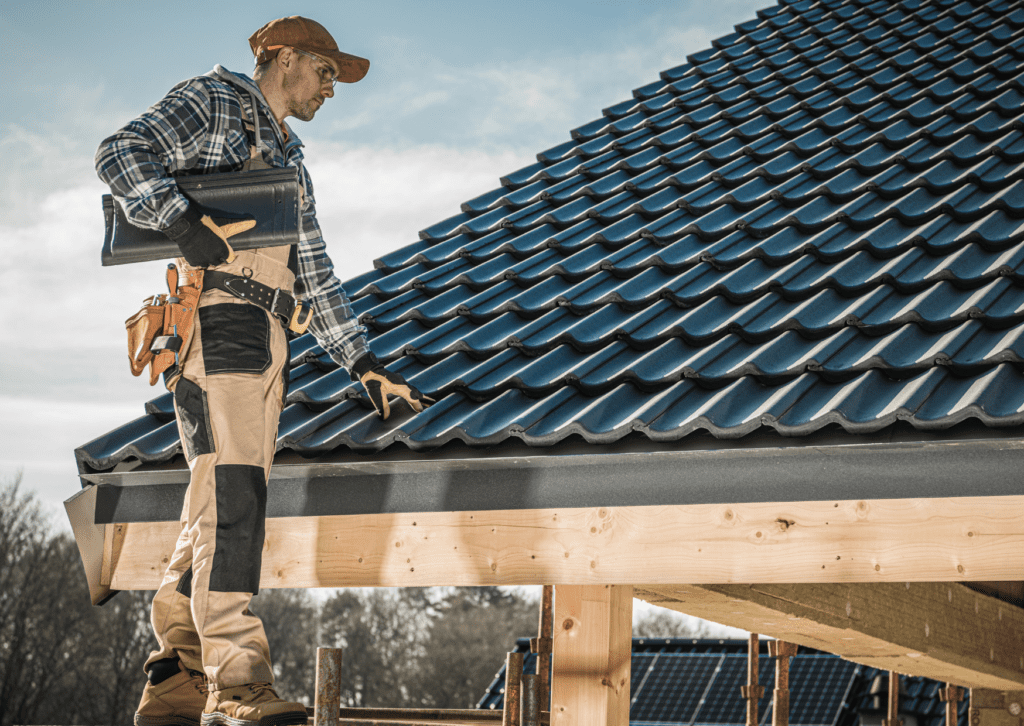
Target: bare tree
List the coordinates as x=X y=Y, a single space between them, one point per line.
x=664 y=623
x=109 y=680
x=42 y=591
x=291 y=619
x=383 y=632
x=472 y=631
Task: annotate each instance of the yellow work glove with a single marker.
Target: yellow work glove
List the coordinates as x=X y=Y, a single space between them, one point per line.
x=204 y=243
x=380 y=383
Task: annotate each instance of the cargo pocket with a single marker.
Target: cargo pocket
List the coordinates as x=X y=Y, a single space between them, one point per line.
x=193 y=411
x=235 y=338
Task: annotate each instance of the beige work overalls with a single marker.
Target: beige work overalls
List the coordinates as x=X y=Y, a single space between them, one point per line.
x=228 y=394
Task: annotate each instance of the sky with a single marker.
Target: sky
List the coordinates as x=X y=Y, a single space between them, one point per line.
x=458 y=94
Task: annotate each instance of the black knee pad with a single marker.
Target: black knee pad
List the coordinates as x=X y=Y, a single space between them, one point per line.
x=241 y=514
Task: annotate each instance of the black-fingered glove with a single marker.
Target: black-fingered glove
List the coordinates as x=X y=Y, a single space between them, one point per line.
x=202 y=242
x=379 y=383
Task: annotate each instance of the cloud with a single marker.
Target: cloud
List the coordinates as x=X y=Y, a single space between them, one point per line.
x=374 y=201
x=64 y=377
x=530 y=102
x=406 y=156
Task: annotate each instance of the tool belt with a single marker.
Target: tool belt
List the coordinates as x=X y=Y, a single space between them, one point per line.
x=293 y=314
x=161 y=329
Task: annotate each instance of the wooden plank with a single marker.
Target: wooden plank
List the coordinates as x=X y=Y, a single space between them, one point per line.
x=91 y=540
x=996 y=708
x=894 y=540
x=592 y=650
x=113 y=543
x=944 y=631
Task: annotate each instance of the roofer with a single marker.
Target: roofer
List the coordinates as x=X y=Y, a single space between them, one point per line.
x=213 y=663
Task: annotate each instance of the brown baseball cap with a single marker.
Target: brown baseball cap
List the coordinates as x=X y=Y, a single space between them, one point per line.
x=307 y=35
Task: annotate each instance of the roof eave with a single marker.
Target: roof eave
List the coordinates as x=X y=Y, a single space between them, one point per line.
x=973 y=460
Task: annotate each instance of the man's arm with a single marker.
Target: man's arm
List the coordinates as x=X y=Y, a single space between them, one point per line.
x=334 y=326
x=190 y=128
x=138 y=161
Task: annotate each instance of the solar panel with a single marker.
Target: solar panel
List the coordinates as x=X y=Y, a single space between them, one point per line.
x=818 y=685
x=640 y=667
x=724 y=703
x=672 y=688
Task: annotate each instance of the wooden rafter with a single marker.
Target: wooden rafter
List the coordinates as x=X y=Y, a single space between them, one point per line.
x=943 y=631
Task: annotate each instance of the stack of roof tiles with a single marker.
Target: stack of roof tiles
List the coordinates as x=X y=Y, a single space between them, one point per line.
x=697 y=682
x=818 y=220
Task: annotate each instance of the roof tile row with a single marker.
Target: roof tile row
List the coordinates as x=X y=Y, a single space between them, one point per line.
x=818 y=220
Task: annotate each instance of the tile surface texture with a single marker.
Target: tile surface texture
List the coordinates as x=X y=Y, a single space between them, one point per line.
x=817 y=221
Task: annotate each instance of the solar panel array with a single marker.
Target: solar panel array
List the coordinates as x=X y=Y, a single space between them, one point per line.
x=686 y=683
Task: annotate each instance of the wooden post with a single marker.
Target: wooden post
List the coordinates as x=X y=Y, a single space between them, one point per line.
x=782 y=652
x=541 y=645
x=894 y=701
x=327 y=702
x=512 y=713
x=753 y=691
x=593 y=631
x=951 y=695
x=531 y=700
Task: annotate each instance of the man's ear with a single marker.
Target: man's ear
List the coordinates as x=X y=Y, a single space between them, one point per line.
x=286 y=58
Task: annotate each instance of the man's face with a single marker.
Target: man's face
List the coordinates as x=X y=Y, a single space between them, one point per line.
x=307 y=86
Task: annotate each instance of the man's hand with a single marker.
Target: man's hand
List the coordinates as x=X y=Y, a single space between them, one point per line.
x=380 y=383
x=202 y=242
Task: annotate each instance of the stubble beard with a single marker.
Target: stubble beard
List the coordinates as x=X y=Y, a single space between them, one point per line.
x=304 y=111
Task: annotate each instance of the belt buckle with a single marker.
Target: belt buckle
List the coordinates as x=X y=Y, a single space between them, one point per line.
x=280 y=314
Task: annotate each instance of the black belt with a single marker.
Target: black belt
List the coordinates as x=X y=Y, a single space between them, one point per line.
x=274 y=300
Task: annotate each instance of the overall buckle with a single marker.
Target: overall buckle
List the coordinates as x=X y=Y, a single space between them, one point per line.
x=299 y=326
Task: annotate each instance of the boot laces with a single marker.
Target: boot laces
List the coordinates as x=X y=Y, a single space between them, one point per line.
x=259 y=689
x=199 y=681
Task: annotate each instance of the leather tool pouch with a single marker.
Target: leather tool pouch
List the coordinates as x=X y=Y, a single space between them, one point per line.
x=160 y=331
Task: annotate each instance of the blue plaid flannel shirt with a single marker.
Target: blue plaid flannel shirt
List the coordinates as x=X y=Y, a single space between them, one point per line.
x=197 y=128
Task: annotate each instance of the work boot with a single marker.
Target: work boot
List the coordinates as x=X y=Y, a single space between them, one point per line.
x=173 y=696
x=255 y=703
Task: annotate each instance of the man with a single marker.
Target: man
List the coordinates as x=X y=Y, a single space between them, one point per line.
x=212 y=664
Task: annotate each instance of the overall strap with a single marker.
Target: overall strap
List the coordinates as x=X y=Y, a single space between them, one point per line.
x=252 y=130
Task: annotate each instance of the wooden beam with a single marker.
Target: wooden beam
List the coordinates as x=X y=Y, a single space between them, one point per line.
x=943 y=631
x=592 y=652
x=893 y=540
x=996 y=708
x=95 y=544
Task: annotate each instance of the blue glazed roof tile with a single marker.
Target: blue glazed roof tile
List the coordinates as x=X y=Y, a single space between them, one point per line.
x=818 y=220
